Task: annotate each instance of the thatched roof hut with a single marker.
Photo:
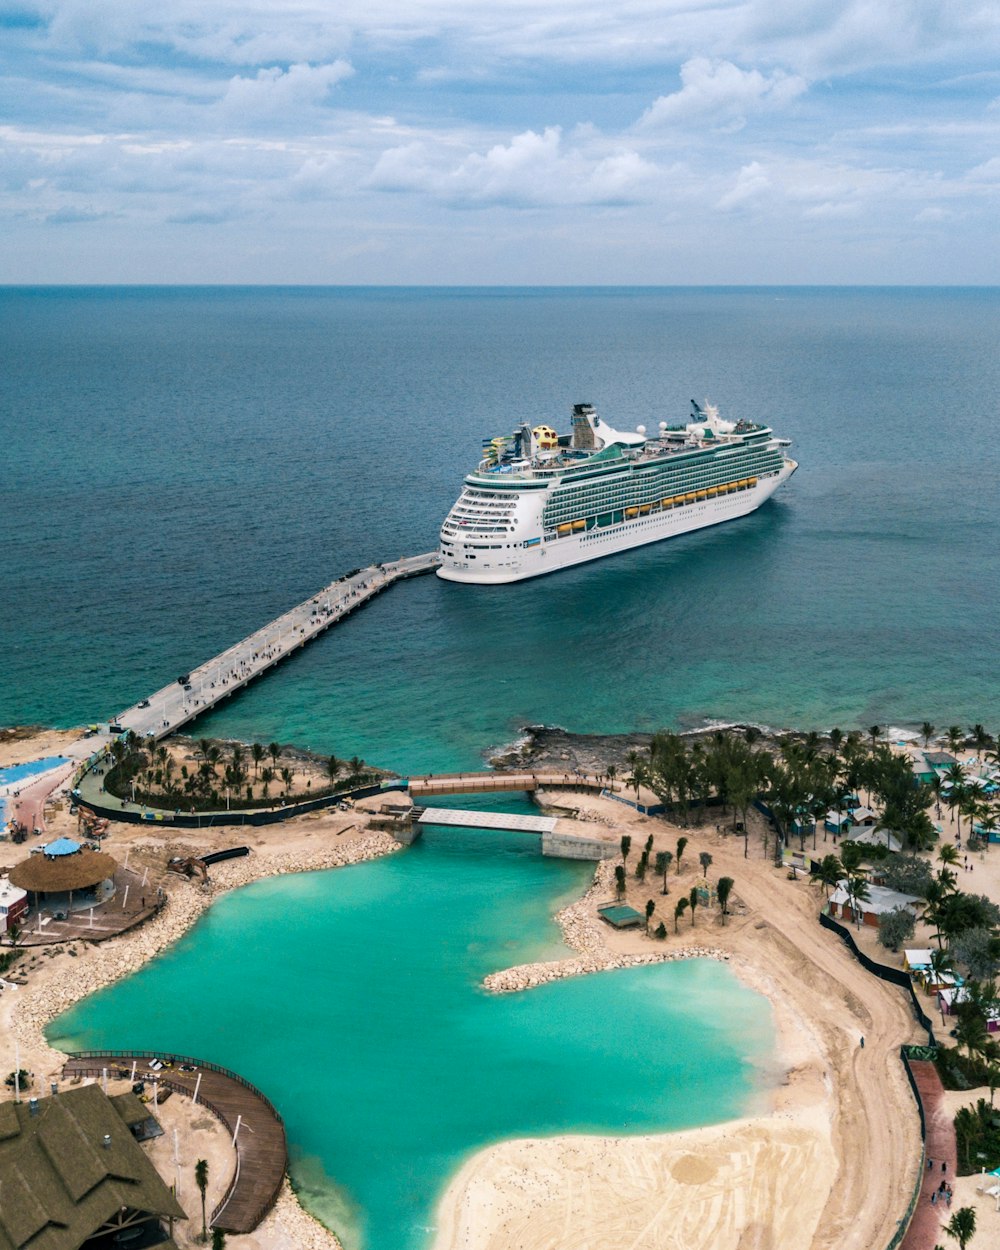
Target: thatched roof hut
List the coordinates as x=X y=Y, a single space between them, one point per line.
x=45 y=874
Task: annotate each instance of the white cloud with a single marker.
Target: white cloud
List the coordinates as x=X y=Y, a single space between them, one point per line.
x=722 y=94
x=277 y=91
x=532 y=169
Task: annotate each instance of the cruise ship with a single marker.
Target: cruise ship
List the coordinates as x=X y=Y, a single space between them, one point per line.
x=540 y=501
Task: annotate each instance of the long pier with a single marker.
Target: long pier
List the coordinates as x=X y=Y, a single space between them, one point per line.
x=164 y=712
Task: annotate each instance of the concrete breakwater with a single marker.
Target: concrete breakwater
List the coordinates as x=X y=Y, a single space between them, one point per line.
x=584 y=932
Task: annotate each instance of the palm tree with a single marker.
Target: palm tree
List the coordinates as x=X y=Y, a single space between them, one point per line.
x=706 y=862
x=830 y=872
x=274 y=750
x=962 y=1226
x=286 y=777
x=875 y=732
x=333 y=767
x=926 y=732
x=626 y=846
x=693 y=902
x=201 y=1180
x=650 y=908
x=620 y=881
x=679 y=910
x=258 y=753
x=956 y=738
x=857 y=892
x=948 y=854
x=681 y=844
x=355 y=764
x=663 y=861
x=611 y=772
x=723 y=889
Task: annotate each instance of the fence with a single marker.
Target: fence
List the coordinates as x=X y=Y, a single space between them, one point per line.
x=895 y=976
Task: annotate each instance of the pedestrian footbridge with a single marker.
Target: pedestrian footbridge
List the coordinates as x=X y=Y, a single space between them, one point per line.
x=511 y=821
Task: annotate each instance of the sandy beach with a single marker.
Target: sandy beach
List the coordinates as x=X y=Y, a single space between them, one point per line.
x=828 y=1164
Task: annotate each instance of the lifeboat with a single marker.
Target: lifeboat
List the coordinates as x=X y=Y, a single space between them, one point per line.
x=579 y=525
x=564 y=529
x=631 y=512
x=712 y=492
x=644 y=510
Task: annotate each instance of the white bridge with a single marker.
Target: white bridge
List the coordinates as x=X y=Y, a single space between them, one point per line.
x=510 y=821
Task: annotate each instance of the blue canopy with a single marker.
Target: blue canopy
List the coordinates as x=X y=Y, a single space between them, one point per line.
x=62 y=846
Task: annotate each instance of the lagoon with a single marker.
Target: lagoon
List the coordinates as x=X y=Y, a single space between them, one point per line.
x=353 y=999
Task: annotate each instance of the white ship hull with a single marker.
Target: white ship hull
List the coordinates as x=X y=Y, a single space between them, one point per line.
x=513 y=562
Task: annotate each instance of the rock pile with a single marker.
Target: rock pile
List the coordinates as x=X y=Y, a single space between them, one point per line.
x=584 y=932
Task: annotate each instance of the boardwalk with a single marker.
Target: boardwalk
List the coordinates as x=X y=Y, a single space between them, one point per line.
x=925 y=1230
x=491 y=783
x=261 y=1151
x=164 y=712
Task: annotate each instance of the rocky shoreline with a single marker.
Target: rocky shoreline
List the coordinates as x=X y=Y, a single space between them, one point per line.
x=584 y=932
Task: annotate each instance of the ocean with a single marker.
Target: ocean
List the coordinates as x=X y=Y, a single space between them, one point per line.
x=182 y=464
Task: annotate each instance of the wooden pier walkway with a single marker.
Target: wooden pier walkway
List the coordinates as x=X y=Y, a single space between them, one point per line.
x=261 y=1149
x=164 y=712
x=491 y=783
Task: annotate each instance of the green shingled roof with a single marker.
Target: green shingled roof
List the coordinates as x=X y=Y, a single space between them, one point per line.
x=59 y=1181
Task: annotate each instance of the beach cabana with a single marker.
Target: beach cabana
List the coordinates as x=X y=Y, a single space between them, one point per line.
x=879 y=901
x=917 y=960
x=863 y=816
x=837 y=822
x=869 y=835
x=65 y=876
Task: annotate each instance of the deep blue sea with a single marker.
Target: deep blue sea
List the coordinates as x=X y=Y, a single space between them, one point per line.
x=180 y=465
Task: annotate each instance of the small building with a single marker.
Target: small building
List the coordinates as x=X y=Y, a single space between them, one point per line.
x=863 y=816
x=871 y=835
x=948 y=997
x=837 y=822
x=620 y=916
x=917 y=960
x=939 y=759
x=64 y=876
x=74 y=1176
x=879 y=901
x=13 y=904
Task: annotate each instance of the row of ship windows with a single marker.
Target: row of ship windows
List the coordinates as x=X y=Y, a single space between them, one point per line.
x=616 y=516
x=572 y=501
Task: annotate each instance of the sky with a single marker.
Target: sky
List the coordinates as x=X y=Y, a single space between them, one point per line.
x=571 y=142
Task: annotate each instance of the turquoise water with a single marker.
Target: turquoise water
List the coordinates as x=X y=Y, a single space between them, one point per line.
x=352 y=999
x=183 y=464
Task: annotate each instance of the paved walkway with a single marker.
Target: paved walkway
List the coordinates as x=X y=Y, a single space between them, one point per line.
x=261 y=1151
x=925 y=1230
